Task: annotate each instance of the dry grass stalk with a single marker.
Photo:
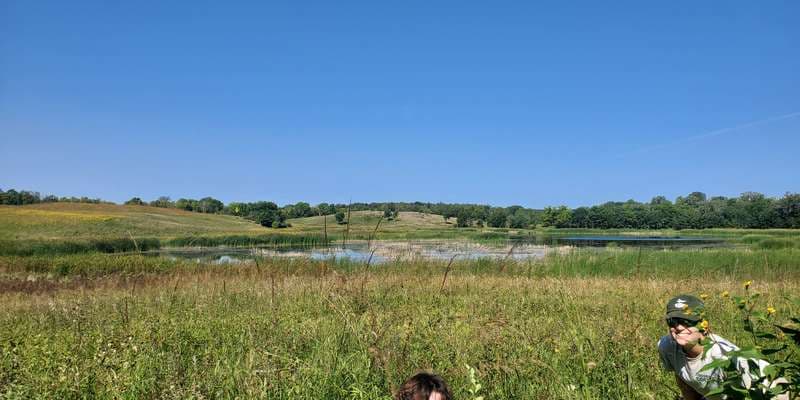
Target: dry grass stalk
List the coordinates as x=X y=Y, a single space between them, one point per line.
x=447 y=271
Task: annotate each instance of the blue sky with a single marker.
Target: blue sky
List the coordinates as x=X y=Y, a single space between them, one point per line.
x=530 y=103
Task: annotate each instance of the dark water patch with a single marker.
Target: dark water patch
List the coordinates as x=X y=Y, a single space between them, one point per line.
x=639 y=241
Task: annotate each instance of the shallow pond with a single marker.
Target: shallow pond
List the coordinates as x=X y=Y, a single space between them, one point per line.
x=378 y=252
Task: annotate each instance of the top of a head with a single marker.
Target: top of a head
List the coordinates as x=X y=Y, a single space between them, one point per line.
x=421 y=386
x=685 y=306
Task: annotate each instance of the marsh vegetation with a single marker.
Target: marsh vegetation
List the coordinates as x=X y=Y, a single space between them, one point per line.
x=114 y=322
x=574 y=325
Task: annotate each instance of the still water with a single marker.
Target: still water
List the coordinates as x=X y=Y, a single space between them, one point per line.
x=382 y=251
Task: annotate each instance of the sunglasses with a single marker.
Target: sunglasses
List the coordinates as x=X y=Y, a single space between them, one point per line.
x=673 y=322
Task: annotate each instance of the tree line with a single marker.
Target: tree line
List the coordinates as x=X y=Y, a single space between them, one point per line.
x=23 y=197
x=694 y=211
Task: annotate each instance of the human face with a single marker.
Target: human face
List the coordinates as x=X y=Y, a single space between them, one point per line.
x=684 y=331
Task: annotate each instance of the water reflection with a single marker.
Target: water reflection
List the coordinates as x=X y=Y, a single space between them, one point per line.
x=378 y=252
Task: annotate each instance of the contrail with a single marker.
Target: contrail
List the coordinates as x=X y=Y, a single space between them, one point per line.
x=743 y=126
x=718 y=132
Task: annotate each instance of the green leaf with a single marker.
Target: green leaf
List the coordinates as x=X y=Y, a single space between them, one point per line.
x=788 y=329
x=723 y=363
x=771 y=351
x=747 y=352
x=748 y=325
x=718 y=391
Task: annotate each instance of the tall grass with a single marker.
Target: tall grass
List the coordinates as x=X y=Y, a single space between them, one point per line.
x=587 y=263
x=248 y=240
x=773 y=243
x=295 y=329
x=54 y=247
x=130 y=244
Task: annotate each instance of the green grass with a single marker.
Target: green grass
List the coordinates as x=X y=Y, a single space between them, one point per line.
x=79 y=323
x=571 y=326
x=54 y=247
x=773 y=243
x=753 y=238
x=73 y=227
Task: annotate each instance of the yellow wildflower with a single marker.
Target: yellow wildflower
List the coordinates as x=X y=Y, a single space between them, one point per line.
x=771 y=310
x=747 y=284
x=704 y=325
x=724 y=294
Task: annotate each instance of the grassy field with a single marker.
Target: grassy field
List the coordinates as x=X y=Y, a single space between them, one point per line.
x=88 y=221
x=363 y=223
x=55 y=228
x=580 y=325
x=52 y=221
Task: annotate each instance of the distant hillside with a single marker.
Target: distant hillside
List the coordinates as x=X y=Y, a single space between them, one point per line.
x=78 y=221
x=85 y=221
x=365 y=221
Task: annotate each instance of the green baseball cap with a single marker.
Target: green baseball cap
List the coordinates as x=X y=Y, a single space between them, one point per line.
x=685 y=306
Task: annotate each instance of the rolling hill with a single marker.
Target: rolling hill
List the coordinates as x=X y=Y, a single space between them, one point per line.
x=83 y=221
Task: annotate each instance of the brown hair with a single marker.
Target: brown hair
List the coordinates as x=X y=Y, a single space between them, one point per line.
x=420 y=387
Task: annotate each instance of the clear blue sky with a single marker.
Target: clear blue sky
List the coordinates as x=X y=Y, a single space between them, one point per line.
x=528 y=103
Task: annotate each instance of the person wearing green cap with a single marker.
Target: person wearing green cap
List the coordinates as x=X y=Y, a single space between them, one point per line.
x=682 y=353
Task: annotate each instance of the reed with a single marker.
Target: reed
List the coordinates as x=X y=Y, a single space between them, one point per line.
x=775 y=243
x=273 y=239
x=270 y=331
x=55 y=247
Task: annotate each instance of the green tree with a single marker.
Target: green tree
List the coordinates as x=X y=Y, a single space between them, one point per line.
x=580 y=217
x=238 y=209
x=300 y=210
x=692 y=199
x=268 y=218
x=559 y=217
x=788 y=210
x=326 y=209
x=464 y=217
x=659 y=200
x=390 y=212
x=209 y=205
x=11 y=197
x=497 y=217
x=185 y=204
x=758 y=210
x=163 y=202
x=519 y=220
x=134 y=201
x=449 y=211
